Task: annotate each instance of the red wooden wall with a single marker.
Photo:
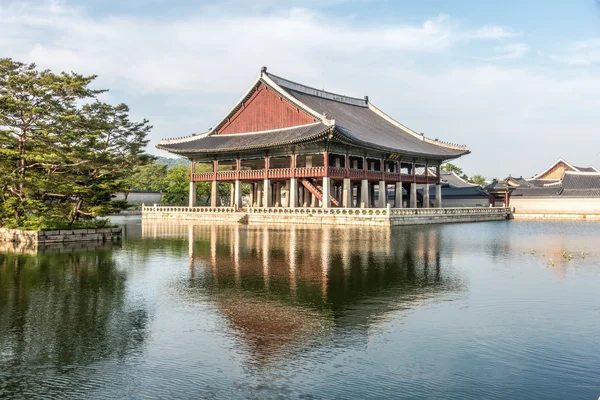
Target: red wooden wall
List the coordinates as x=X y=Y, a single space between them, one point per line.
x=264 y=110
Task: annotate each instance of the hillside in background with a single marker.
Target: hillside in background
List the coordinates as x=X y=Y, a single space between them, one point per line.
x=171 y=162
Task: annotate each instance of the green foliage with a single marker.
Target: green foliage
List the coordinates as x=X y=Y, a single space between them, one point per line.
x=172 y=162
x=177 y=183
x=41 y=223
x=449 y=167
x=63 y=153
x=150 y=177
x=478 y=180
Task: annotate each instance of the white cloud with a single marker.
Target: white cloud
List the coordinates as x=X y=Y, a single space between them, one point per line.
x=492 y=32
x=511 y=51
x=185 y=73
x=582 y=53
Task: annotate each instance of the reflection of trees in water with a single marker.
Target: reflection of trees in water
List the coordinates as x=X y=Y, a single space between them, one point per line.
x=63 y=310
x=283 y=288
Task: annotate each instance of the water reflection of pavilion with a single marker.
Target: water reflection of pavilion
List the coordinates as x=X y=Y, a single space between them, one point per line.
x=283 y=288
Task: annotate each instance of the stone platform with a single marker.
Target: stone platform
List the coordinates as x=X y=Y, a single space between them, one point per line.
x=20 y=236
x=329 y=216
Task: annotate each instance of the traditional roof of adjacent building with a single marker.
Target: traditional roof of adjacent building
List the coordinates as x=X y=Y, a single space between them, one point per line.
x=536 y=191
x=581 y=184
x=569 y=166
x=350 y=120
x=463 y=192
x=454 y=180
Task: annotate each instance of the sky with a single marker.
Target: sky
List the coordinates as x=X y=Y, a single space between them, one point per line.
x=518 y=82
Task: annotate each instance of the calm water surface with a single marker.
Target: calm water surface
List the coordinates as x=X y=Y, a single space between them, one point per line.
x=500 y=310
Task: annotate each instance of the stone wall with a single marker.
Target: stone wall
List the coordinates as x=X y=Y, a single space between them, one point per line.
x=556 y=207
x=59 y=236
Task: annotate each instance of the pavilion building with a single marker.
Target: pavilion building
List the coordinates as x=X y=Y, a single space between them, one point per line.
x=298 y=146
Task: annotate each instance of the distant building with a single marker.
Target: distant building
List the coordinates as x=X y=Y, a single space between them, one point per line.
x=562 y=188
x=139 y=197
x=560 y=179
x=457 y=192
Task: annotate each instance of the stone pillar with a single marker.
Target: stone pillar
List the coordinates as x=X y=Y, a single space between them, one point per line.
x=267 y=195
x=347 y=193
x=259 y=194
x=438 y=195
x=232 y=195
x=214 y=194
x=192 y=195
x=292 y=193
x=364 y=193
x=251 y=199
x=398 y=195
x=313 y=200
x=307 y=196
x=278 y=194
x=326 y=192
x=382 y=195
x=286 y=190
x=426 y=196
x=413 y=195
x=238 y=194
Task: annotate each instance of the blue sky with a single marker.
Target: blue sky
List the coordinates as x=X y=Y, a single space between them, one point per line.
x=517 y=81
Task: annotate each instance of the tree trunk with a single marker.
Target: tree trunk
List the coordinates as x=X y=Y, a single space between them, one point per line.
x=75 y=214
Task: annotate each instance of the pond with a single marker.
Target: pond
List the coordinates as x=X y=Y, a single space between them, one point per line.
x=497 y=310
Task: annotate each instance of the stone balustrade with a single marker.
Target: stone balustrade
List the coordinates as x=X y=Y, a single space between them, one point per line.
x=339 y=216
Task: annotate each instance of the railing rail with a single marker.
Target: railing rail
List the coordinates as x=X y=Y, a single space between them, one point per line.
x=178 y=209
x=336 y=172
x=449 y=211
x=317 y=211
x=310 y=172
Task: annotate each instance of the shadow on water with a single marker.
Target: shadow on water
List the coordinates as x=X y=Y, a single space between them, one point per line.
x=286 y=289
x=61 y=311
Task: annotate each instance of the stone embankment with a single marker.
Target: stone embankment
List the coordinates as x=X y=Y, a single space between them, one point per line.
x=332 y=216
x=59 y=236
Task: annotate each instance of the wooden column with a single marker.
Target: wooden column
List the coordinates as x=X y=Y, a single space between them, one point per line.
x=214 y=190
x=267 y=195
x=426 y=188
x=293 y=185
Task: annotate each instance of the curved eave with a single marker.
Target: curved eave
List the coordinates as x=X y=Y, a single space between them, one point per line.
x=274 y=145
x=342 y=137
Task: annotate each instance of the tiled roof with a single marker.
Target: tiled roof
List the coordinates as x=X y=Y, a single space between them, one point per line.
x=454 y=180
x=354 y=121
x=364 y=125
x=543 y=182
x=585 y=184
x=587 y=169
x=459 y=192
x=234 y=142
x=536 y=191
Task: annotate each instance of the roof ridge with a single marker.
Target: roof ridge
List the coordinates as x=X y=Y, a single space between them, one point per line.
x=299 y=87
x=589 y=173
x=184 y=139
